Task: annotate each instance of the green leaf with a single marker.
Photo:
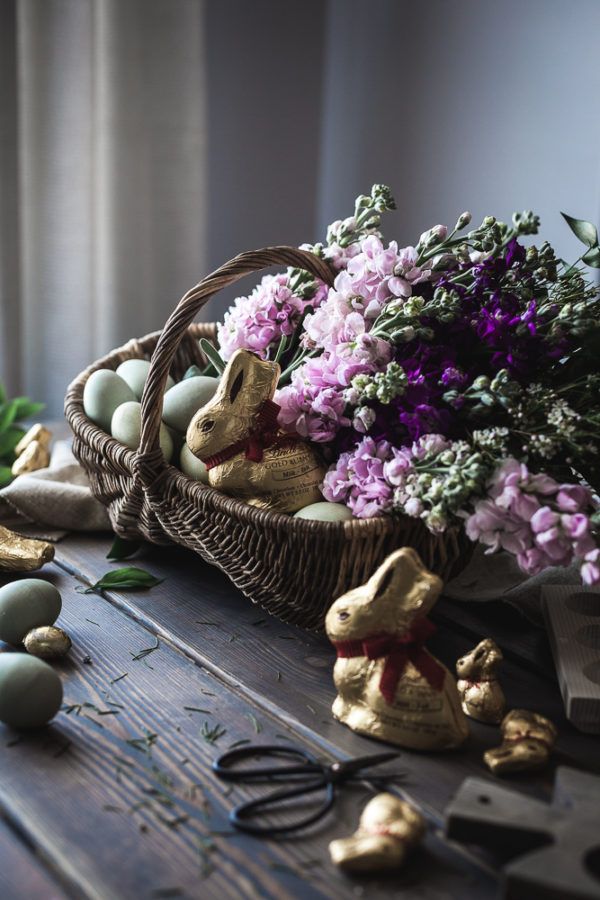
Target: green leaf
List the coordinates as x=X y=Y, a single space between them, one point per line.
x=9 y=440
x=592 y=257
x=122 y=549
x=27 y=408
x=585 y=231
x=191 y=372
x=2 y=393
x=6 y=476
x=212 y=354
x=126 y=579
x=8 y=414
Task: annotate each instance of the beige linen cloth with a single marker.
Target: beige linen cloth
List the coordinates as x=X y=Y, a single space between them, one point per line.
x=51 y=502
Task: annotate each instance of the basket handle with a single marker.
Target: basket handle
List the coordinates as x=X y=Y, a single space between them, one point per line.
x=149 y=457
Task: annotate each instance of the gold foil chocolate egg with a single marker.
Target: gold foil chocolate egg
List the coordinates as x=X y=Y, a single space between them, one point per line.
x=481 y=696
x=247 y=455
x=527 y=741
x=37 y=433
x=324 y=512
x=126 y=427
x=103 y=392
x=388 y=685
x=30 y=691
x=183 y=401
x=135 y=372
x=387 y=830
x=19 y=554
x=34 y=457
x=47 y=642
x=24 y=605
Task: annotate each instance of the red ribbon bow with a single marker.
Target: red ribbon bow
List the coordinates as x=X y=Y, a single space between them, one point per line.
x=264 y=434
x=398 y=651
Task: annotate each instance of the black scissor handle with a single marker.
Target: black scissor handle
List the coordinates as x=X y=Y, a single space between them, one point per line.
x=305 y=764
x=243 y=815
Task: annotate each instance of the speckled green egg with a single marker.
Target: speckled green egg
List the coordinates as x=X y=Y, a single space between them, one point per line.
x=126 y=427
x=135 y=372
x=324 y=512
x=192 y=466
x=184 y=400
x=30 y=691
x=24 y=605
x=103 y=392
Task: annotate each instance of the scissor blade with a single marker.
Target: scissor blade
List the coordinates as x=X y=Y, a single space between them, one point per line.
x=350 y=766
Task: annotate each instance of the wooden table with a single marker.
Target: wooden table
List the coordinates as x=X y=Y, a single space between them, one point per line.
x=116 y=798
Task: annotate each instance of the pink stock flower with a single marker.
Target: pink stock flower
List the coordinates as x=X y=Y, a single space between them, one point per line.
x=357 y=479
x=541 y=522
x=259 y=320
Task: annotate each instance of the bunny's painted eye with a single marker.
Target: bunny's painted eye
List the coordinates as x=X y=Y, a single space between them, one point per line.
x=207 y=425
x=343 y=615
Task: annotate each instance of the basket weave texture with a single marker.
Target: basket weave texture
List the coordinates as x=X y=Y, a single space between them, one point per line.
x=294 y=568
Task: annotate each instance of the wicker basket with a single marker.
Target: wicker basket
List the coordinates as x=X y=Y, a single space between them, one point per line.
x=294 y=568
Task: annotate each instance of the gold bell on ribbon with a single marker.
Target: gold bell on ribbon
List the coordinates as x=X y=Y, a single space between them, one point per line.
x=237 y=437
x=389 y=686
x=387 y=830
x=527 y=741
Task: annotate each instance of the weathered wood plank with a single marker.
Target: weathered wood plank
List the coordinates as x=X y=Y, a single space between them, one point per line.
x=119 y=796
x=22 y=875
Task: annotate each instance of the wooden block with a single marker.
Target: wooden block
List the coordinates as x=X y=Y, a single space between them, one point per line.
x=572 y=615
x=555 y=847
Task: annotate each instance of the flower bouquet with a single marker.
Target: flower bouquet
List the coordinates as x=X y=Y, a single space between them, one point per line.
x=453 y=381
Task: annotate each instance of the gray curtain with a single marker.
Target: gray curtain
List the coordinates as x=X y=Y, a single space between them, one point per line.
x=103 y=173
x=144 y=142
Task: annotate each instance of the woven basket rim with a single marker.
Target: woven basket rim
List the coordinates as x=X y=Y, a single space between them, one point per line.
x=350 y=528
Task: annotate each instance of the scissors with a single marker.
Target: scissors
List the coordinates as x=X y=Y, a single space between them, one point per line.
x=310 y=774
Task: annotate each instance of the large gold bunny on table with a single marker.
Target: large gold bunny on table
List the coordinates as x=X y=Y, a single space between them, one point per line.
x=247 y=456
x=389 y=686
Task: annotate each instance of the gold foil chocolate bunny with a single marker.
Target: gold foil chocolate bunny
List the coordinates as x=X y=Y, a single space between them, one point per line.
x=481 y=696
x=387 y=830
x=20 y=554
x=389 y=686
x=237 y=437
x=527 y=740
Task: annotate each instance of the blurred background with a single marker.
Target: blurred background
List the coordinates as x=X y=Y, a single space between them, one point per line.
x=144 y=142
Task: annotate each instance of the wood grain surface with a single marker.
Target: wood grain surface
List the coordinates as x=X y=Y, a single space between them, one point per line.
x=117 y=800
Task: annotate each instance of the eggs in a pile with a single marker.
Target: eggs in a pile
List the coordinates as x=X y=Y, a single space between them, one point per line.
x=111 y=399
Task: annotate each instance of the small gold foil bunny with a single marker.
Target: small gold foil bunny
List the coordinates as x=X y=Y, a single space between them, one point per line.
x=32 y=451
x=387 y=830
x=20 y=554
x=247 y=456
x=481 y=696
x=389 y=686
x=527 y=740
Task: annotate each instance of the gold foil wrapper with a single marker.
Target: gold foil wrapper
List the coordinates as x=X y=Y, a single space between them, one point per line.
x=392 y=603
x=47 y=642
x=481 y=695
x=387 y=830
x=34 y=456
x=20 y=554
x=37 y=433
x=288 y=474
x=527 y=741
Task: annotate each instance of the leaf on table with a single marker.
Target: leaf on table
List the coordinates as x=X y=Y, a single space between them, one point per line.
x=122 y=549
x=128 y=578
